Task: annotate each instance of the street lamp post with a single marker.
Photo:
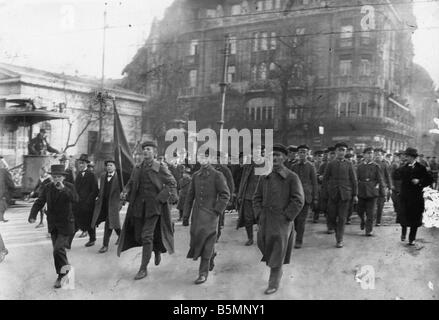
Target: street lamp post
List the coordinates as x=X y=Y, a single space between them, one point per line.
x=223 y=88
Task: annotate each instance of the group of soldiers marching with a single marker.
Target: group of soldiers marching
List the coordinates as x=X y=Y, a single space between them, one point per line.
x=334 y=182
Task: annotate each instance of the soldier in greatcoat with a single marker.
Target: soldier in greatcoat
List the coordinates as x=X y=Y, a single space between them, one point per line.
x=292 y=156
x=60 y=196
x=206 y=200
x=108 y=204
x=308 y=177
x=148 y=223
x=278 y=200
x=370 y=187
x=184 y=185
x=341 y=182
x=86 y=185
x=385 y=171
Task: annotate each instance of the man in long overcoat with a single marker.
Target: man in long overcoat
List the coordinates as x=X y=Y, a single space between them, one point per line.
x=414 y=177
x=206 y=199
x=370 y=187
x=7 y=186
x=86 y=185
x=308 y=177
x=278 y=200
x=340 y=180
x=148 y=221
x=108 y=204
x=183 y=188
x=60 y=197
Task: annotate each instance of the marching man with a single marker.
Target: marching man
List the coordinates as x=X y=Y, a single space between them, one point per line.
x=278 y=200
x=60 y=197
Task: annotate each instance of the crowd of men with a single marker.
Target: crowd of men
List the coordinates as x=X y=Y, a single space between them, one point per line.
x=333 y=183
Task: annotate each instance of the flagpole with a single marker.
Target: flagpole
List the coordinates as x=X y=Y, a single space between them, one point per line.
x=118 y=147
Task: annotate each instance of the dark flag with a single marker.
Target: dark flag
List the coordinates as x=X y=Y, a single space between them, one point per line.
x=122 y=153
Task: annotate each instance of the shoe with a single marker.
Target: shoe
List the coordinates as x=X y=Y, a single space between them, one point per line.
x=201 y=279
x=368 y=234
x=83 y=234
x=249 y=242
x=339 y=244
x=270 y=290
x=103 y=249
x=362 y=225
x=348 y=221
x=141 y=274
x=330 y=231
x=40 y=225
x=377 y=224
x=298 y=245
x=402 y=238
x=157 y=258
x=4 y=220
x=212 y=262
x=90 y=243
x=117 y=241
x=412 y=243
x=3 y=255
x=57 y=284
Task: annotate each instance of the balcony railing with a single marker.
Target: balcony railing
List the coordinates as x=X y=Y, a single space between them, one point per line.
x=188 y=92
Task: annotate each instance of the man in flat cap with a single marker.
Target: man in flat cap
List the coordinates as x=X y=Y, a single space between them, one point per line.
x=86 y=185
x=323 y=196
x=385 y=171
x=292 y=156
x=108 y=203
x=370 y=186
x=148 y=221
x=342 y=187
x=278 y=200
x=206 y=200
x=308 y=177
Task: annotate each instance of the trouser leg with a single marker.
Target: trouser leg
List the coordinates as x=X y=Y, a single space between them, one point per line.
x=70 y=240
x=92 y=233
x=370 y=208
x=249 y=218
x=299 y=223
x=332 y=214
x=403 y=232
x=380 y=207
x=249 y=230
x=342 y=208
x=412 y=234
x=204 y=267
x=59 y=242
x=107 y=234
x=149 y=226
x=350 y=210
x=3 y=207
x=361 y=209
x=2 y=244
x=275 y=277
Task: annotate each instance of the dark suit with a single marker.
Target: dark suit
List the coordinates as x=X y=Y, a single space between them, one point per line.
x=341 y=182
x=60 y=219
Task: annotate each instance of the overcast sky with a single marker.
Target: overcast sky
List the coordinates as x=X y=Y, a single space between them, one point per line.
x=66 y=36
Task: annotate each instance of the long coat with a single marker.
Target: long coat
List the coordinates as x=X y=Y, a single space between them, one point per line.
x=184 y=185
x=7 y=186
x=207 y=198
x=340 y=178
x=113 y=204
x=411 y=200
x=247 y=171
x=278 y=200
x=87 y=188
x=59 y=212
x=160 y=177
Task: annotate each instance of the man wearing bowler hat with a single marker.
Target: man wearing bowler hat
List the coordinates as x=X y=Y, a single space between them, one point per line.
x=308 y=177
x=148 y=221
x=278 y=200
x=108 y=203
x=86 y=185
x=341 y=182
x=60 y=196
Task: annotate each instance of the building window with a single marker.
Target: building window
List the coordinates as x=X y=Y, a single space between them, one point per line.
x=254 y=73
x=193 y=78
x=365 y=37
x=346 y=35
x=211 y=13
x=298 y=71
x=299 y=32
x=277 y=4
x=292 y=113
x=343 y=104
x=255 y=41
x=269 y=5
x=232 y=45
x=194 y=48
x=263 y=71
x=236 y=10
x=273 y=42
x=259 y=5
x=345 y=67
x=264 y=41
x=365 y=67
x=231 y=73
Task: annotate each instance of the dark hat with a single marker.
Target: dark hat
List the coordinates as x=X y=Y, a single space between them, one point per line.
x=318 y=152
x=57 y=169
x=341 y=145
x=348 y=156
x=42 y=130
x=110 y=160
x=378 y=150
x=280 y=147
x=368 y=149
x=434 y=157
x=292 y=148
x=360 y=156
x=84 y=157
x=149 y=144
x=303 y=146
x=411 y=152
x=331 y=149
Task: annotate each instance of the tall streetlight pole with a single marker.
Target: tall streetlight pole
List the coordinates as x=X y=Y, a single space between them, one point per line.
x=223 y=88
x=101 y=99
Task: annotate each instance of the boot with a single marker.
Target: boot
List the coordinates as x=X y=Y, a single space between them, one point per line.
x=146 y=256
x=249 y=235
x=157 y=257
